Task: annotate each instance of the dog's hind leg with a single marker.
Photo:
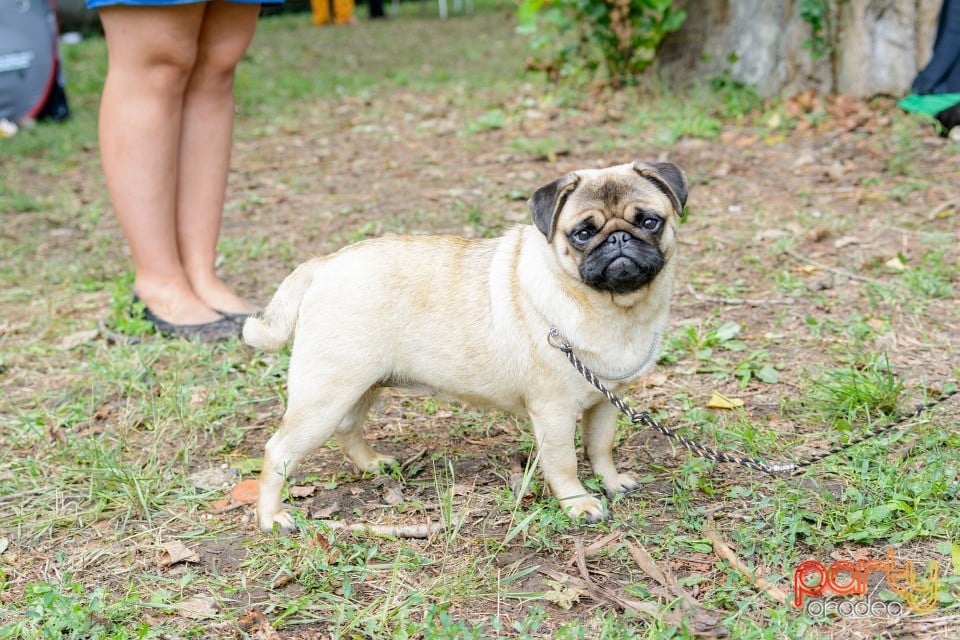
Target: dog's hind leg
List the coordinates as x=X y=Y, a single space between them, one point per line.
x=350 y=436
x=316 y=408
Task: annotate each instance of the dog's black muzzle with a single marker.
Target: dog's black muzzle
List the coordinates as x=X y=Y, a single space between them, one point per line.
x=622 y=263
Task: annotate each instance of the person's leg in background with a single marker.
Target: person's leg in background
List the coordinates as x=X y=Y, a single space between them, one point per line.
x=151 y=52
x=206 y=135
x=165 y=170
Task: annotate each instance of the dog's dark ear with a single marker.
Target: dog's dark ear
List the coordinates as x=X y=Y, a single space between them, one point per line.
x=547 y=202
x=669 y=178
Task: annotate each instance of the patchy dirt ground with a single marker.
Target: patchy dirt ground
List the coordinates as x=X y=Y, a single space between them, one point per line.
x=830 y=194
x=797 y=234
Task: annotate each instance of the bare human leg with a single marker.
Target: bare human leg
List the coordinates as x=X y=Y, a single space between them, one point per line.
x=151 y=53
x=206 y=134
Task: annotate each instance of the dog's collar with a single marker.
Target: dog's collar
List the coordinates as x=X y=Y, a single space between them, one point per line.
x=557 y=340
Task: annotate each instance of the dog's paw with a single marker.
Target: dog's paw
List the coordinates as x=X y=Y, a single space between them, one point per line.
x=281 y=522
x=380 y=464
x=587 y=508
x=620 y=483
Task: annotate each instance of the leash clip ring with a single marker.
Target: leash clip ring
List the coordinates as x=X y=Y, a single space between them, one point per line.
x=557 y=341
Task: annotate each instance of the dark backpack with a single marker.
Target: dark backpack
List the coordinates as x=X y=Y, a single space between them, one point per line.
x=31 y=79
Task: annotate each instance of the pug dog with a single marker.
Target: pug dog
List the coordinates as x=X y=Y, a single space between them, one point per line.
x=469 y=320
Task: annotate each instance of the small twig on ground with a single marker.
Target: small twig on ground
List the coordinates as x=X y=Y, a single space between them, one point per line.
x=819 y=265
x=233 y=506
x=753 y=302
x=581 y=559
x=416 y=456
x=10 y=497
x=603 y=594
x=665 y=577
x=597 y=546
x=943 y=206
x=723 y=550
x=702 y=622
x=925 y=625
x=424 y=530
x=113 y=336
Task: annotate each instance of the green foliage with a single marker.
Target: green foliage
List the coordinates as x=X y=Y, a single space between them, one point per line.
x=620 y=37
x=64 y=612
x=933 y=277
x=126 y=314
x=819 y=14
x=734 y=99
x=855 y=394
x=703 y=345
x=816 y=14
x=491 y=120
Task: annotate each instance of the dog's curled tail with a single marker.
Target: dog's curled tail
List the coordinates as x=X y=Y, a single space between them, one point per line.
x=272 y=329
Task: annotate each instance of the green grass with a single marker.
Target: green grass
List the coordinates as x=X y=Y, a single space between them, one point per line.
x=100 y=441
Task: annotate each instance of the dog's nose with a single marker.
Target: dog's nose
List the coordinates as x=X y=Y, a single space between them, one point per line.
x=619 y=238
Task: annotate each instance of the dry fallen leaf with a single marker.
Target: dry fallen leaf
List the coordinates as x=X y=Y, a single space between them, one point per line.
x=844 y=241
x=325 y=512
x=245 y=492
x=74 y=340
x=303 y=491
x=222 y=503
x=895 y=263
x=560 y=594
x=56 y=434
x=198 y=398
x=656 y=379
x=720 y=401
x=393 y=495
x=257 y=626
x=175 y=552
x=943 y=211
x=198 y=608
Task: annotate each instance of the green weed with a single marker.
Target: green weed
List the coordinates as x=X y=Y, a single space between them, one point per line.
x=65 y=610
x=856 y=394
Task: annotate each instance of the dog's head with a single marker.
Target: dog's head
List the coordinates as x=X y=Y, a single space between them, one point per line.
x=614 y=228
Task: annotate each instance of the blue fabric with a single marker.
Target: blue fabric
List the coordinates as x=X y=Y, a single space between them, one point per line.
x=942 y=73
x=96 y=4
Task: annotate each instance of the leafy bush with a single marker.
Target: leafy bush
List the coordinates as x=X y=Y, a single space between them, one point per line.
x=572 y=37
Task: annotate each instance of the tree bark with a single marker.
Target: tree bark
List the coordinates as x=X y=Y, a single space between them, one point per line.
x=872 y=46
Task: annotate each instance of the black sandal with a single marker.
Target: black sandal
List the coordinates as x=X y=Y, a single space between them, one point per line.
x=239 y=318
x=214 y=331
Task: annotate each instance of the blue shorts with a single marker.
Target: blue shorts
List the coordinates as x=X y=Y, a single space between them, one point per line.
x=96 y=4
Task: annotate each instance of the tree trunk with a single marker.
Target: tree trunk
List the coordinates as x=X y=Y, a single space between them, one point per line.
x=871 y=47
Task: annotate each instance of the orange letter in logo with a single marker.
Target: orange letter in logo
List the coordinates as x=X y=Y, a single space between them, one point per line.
x=801 y=585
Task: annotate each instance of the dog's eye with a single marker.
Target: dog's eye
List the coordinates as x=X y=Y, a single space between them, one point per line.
x=583 y=235
x=651 y=223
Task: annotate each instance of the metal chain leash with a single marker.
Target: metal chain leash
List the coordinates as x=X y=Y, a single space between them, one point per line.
x=709 y=453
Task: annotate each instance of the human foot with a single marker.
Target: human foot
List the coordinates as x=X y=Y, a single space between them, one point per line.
x=218 y=296
x=223 y=328
x=177 y=311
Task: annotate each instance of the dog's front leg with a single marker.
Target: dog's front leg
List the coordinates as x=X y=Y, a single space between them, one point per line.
x=553 y=430
x=599 y=432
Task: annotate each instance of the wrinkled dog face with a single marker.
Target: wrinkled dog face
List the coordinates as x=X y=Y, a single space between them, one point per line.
x=616 y=227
